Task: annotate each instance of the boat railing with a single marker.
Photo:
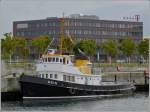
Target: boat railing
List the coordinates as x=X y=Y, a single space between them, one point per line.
x=110 y=87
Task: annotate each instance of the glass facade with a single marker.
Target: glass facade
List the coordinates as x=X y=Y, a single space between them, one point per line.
x=79 y=28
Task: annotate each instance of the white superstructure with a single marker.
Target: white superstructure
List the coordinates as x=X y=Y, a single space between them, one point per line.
x=60 y=67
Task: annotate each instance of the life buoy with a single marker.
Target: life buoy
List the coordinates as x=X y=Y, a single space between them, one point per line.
x=72 y=91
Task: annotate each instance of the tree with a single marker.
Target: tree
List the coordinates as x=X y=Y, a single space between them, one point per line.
x=127 y=47
x=41 y=43
x=20 y=47
x=68 y=45
x=143 y=48
x=110 y=47
x=87 y=46
x=8 y=46
x=13 y=46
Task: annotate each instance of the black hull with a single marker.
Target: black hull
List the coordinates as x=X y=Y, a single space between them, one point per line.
x=34 y=87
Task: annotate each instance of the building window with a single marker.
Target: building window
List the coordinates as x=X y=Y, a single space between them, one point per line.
x=50 y=32
x=37 y=25
x=18 y=33
x=49 y=24
x=24 y=25
x=53 y=24
x=45 y=24
x=22 y=33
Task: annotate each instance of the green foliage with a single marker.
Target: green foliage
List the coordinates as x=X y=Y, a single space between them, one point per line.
x=21 y=48
x=127 y=46
x=87 y=46
x=13 y=46
x=143 y=48
x=110 y=47
x=8 y=44
x=41 y=43
x=68 y=45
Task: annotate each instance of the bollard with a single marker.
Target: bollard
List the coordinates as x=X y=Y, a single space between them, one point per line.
x=145 y=80
x=14 y=74
x=115 y=78
x=145 y=76
x=130 y=76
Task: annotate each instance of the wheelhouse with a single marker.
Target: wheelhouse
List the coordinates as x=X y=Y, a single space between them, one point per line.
x=62 y=59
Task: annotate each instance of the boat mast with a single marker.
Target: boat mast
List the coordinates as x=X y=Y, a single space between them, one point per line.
x=61 y=34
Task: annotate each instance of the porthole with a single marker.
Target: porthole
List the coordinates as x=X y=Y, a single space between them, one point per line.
x=51 y=75
x=42 y=75
x=55 y=76
x=46 y=75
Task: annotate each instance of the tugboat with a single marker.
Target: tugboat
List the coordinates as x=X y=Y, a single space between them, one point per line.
x=59 y=77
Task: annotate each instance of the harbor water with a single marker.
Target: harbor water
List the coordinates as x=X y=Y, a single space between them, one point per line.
x=136 y=103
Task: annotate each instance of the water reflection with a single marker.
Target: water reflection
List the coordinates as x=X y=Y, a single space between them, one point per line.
x=137 y=102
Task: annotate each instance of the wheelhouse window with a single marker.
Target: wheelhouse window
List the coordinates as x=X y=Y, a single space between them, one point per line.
x=53 y=59
x=49 y=59
x=60 y=60
x=57 y=59
x=63 y=60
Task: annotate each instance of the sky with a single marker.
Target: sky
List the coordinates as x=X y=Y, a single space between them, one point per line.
x=18 y=10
